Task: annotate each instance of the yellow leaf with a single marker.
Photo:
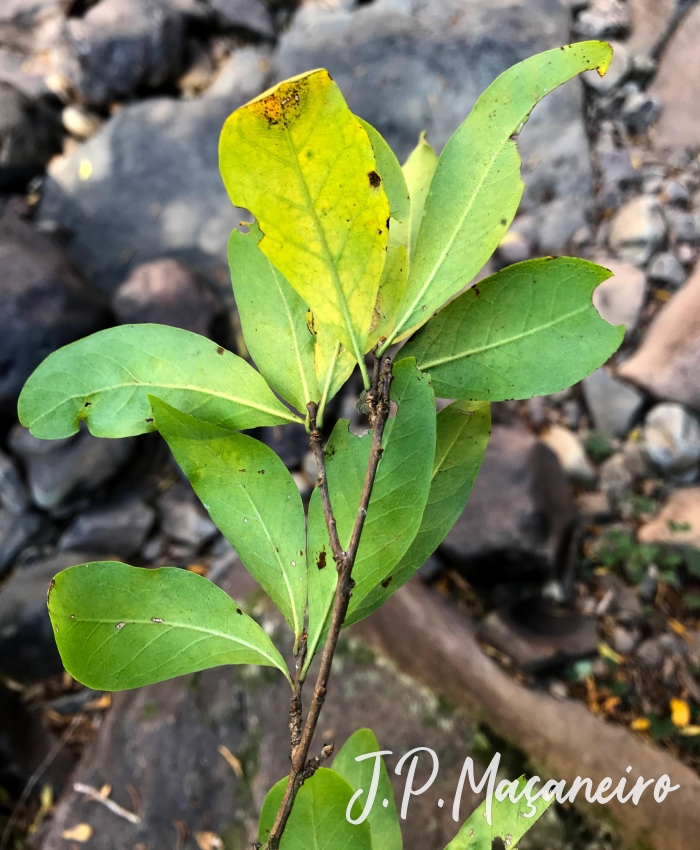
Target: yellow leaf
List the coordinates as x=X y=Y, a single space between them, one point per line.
x=300 y=161
x=233 y=762
x=641 y=724
x=690 y=731
x=680 y=629
x=611 y=703
x=608 y=652
x=391 y=290
x=81 y=833
x=680 y=713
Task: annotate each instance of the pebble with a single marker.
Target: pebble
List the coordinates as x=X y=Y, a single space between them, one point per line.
x=624 y=640
x=678 y=521
x=183 y=518
x=672 y=439
x=117 y=528
x=640 y=112
x=79 y=122
x=666 y=270
x=594 y=507
x=616 y=481
x=638 y=230
x=613 y=404
x=571 y=454
x=620 y=298
x=676 y=193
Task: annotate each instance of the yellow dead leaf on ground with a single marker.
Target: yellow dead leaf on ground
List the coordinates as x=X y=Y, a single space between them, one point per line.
x=302 y=163
x=690 y=731
x=80 y=833
x=234 y=763
x=608 y=652
x=209 y=841
x=680 y=713
x=641 y=724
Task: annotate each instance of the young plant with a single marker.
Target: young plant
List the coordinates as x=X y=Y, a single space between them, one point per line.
x=348 y=255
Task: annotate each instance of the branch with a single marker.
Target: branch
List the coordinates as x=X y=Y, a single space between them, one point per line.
x=302 y=767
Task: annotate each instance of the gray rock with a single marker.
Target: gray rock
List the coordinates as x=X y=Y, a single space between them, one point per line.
x=571 y=454
x=144 y=200
x=58 y=470
x=620 y=298
x=652 y=652
x=519 y=517
x=616 y=480
x=638 y=230
x=117 y=528
x=408 y=67
x=27 y=646
x=183 y=518
x=14 y=70
x=613 y=405
x=13 y=493
x=624 y=640
x=29 y=25
x=603 y=19
x=29 y=137
x=538 y=639
x=16 y=531
x=640 y=111
x=120 y=47
x=667 y=271
x=676 y=193
x=672 y=439
x=80 y=122
x=290 y=443
x=685 y=226
x=594 y=507
x=167 y=293
x=43 y=305
x=251 y=15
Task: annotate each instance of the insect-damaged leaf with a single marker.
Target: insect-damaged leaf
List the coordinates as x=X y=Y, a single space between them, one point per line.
x=106 y=378
x=463 y=430
x=273 y=320
x=398 y=497
x=528 y=330
x=253 y=500
x=302 y=163
x=508 y=822
x=318 y=818
x=383 y=821
x=477 y=185
x=120 y=627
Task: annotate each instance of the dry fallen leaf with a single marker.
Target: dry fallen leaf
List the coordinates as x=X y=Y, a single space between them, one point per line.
x=233 y=762
x=81 y=833
x=611 y=703
x=680 y=713
x=608 y=652
x=100 y=704
x=199 y=569
x=641 y=724
x=208 y=841
x=690 y=731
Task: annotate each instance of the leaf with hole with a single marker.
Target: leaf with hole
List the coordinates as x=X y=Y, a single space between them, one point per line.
x=105 y=379
x=463 y=430
x=273 y=320
x=383 y=820
x=301 y=162
x=120 y=627
x=318 y=818
x=253 y=500
x=528 y=330
x=477 y=186
x=509 y=822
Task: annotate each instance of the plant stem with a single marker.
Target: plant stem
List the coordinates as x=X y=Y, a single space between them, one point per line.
x=302 y=767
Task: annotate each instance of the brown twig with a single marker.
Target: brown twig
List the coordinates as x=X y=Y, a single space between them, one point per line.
x=304 y=768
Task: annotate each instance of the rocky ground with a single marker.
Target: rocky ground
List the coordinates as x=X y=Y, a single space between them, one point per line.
x=579 y=552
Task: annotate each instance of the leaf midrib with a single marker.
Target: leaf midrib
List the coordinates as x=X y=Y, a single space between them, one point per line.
x=292 y=328
x=503 y=342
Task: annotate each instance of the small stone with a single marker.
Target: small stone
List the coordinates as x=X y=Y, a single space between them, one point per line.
x=27 y=643
x=652 y=652
x=672 y=439
x=678 y=521
x=685 y=226
x=58 y=470
x=624 y=640
x=79 y=122
x=16 y=532
x=667 y=271
x=640 y=111
x=627 y=607
x=613 y=404
x=594 y=507
x=117 y=528
x=620 y=298
x=687 y=254
x=616 y=481
x=676 y=193
x=571 y=454
x=638 y=230
x=648 y=589
x=183 y=518
x=251 y=15
x=571 y=412
x=165 y=292
x=558 y=690
x=603 y=19
x=13 y=493
x=537 y=411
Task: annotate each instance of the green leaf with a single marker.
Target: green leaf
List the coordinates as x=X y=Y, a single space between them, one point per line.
x=120 y=627
x=383 y=822
x=273 y=320
x=300 y=161
x=477 y=186
x=334 y=363
x=529 y=330
x=105 y=379
x=253 y=500
x=418 y=170
x=463 y=431
x=398 y=499
x=391 y=289
x=391 y=173
x=317 y=821
x=508 y=819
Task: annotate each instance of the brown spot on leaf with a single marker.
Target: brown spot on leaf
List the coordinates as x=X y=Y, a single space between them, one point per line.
x=87 y=404
x=261 y=472
x=282 y=106
x=503 y=222
x=514 y=137
x=375 y=181
x=321 y=563
x=219 y=350
x=150 y=419
x=238 y=611
x=477 y=291
x=387 y=582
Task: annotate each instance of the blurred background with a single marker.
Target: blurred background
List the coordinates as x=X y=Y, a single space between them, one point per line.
x=572 y=579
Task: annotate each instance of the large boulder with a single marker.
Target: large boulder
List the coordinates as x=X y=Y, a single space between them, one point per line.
x=147 y=185
x=407 y=67
x=44 y=304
